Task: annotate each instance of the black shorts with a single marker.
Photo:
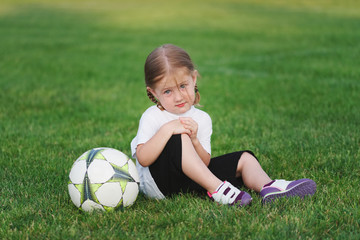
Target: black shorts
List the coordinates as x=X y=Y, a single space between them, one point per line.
x=170 y=178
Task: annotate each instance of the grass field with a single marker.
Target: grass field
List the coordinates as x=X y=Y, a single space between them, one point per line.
x=281 y=78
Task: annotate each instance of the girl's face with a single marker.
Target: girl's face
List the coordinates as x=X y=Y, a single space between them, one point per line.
x=176 y=92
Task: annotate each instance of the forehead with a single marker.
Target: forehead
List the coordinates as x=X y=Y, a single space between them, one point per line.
x=174 y=78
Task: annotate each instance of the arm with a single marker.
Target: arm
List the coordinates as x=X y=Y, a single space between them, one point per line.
x=203 y=154
x=192 y=126
x=148 y=152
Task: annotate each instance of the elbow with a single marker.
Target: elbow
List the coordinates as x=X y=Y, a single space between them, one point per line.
x=143 y=163
x=142 y=160
x=143 y=157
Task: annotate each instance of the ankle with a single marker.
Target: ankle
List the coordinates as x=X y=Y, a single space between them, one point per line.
x=230 y=195
x=268 y=184
x=216 y=188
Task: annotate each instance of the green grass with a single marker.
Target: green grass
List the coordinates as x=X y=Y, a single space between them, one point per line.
x=281 y=78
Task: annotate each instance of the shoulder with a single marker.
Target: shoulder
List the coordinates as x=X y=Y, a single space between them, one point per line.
x=151 y=112
x=153 y=117
x=201 y=114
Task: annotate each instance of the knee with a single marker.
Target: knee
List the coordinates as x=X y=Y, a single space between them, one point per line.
x=248 y=157
x=185 y=138
x=245 y=159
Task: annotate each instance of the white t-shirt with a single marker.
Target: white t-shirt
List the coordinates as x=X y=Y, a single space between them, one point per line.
x=151 y=121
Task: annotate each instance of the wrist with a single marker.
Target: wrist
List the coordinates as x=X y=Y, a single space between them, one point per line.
x=195 y=141
x=166 y=131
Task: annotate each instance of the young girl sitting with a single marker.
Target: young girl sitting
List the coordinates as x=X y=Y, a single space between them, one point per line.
x=172 y=145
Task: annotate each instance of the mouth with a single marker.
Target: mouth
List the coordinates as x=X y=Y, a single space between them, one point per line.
x=180 y=105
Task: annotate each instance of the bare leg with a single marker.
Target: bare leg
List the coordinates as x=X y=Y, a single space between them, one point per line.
x=253 y=175
x=194 y=167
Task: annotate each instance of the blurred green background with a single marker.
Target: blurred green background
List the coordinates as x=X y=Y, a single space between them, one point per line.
x=278 y=77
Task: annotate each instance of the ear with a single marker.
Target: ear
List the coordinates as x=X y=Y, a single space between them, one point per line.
x=151 y=91
x=194 y=76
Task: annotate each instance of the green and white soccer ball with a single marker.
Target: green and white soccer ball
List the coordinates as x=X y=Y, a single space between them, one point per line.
x=103 y=178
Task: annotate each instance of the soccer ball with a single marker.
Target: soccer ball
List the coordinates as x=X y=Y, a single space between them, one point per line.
x=103 y=178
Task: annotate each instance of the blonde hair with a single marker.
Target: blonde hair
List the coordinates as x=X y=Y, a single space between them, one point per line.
x=165 y=60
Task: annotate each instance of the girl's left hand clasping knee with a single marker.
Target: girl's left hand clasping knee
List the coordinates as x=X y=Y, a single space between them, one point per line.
x=191 y=125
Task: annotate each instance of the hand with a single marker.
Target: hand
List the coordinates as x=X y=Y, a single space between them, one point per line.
x=190 y=125
x=176 y=127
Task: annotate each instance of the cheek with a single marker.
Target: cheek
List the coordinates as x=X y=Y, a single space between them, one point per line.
x=191 y=92
x=165 y=99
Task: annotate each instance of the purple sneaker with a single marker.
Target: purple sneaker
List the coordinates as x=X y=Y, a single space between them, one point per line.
x=281 y=188
x=228 y=194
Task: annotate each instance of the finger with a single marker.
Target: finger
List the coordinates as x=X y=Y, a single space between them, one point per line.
x=189 y=123
x=189 y=127
x=187 y=131
x=185 y=118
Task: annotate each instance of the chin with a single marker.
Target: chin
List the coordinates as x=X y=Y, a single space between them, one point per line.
x=179 y=111
x=184 y=110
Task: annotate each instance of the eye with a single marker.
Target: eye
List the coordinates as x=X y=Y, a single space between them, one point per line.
x=167 y=91
x=183 y=86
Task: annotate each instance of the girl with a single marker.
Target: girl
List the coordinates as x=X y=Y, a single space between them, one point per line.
x=172 y=145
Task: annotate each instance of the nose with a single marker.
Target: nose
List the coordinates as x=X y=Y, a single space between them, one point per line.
x=178 y=95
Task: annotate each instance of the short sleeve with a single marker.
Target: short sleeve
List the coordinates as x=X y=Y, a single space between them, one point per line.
x=205 y=132
x=147 y=128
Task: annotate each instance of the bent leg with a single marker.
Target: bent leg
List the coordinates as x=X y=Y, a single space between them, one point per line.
x=254 y=177
x=194 y=167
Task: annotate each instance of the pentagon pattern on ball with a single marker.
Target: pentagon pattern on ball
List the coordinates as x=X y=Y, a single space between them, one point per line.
x=103 y=178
